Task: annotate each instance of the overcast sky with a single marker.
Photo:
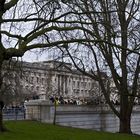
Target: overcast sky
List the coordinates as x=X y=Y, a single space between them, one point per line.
x=32 y=56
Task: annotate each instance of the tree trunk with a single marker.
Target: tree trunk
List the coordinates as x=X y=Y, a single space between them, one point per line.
x=125 y=124
x=2 y=128
x=125 y=114
x=54 y=119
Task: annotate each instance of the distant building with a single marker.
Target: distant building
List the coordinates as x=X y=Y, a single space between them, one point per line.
x=56 y=78
x=40 y=80
x=53 y=78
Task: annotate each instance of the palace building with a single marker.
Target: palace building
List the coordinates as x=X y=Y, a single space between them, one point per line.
x=41 y=80
x=54 y=78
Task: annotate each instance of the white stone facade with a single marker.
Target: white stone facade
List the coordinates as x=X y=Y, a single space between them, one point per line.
x=53 y=78
x=56 y=78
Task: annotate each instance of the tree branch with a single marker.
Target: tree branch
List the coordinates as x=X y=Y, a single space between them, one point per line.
x=12 y=35
x=10 y=4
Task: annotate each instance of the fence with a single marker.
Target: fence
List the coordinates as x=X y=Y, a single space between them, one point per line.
x=14 y=114
x=89 y=117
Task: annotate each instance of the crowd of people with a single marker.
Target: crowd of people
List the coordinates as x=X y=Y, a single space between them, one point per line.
x=73 y=101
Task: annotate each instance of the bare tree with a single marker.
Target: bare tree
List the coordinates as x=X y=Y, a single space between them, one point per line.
x=98 y=31
x=103 y=37
x=22 y=25
x=13 y=89
x=111 y=30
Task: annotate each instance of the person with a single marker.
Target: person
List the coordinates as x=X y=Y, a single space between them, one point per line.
x=56 y=100
x=61 y=100
x=52 y=99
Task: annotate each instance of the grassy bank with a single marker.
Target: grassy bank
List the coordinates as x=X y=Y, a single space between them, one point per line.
x=27 y=130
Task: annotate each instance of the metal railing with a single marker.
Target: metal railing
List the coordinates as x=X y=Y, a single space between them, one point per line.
x=14 y=114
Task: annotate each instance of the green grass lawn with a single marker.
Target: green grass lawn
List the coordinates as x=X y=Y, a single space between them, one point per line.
x=28 y=130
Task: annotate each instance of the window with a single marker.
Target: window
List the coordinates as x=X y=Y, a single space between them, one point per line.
x=73 y=84
x=32 y=88
x=89 y=85
x=37 y=88
x=31 y=79
x=55 y=79
x=42 y=81
x=27 y=87
x=39 y=74
x=84 y=84
x=78 y=84
x=37 y=79
x=27 y=79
